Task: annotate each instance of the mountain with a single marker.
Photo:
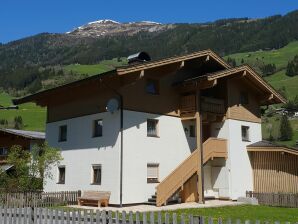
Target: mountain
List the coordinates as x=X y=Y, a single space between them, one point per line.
x=28 y=65
x=103 y=28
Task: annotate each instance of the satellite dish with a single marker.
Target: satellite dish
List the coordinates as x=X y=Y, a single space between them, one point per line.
x=112 y=105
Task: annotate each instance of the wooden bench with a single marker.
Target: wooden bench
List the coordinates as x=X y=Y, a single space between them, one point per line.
x=96 y=198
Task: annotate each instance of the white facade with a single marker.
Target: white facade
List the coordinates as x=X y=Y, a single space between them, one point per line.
x=235 y=176
x=81 y=151
x=229 y=178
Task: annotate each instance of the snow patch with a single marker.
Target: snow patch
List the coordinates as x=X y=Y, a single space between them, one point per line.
x=103 y=21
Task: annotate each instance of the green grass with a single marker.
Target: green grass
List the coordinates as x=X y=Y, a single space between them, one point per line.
x=278 y=57
x=34 y=117
x=103 y=66
x=241 y=212
x=279 y=80
x=274 y=122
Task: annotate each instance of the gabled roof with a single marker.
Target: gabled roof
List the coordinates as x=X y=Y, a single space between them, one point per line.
x=126 y=70
x=243 y=70
x=166 y=61
x=266 y=146
x=25 y=134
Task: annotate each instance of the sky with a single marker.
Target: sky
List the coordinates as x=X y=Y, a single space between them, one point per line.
x=22 y=18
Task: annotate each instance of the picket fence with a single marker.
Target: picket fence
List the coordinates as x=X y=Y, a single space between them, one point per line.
x=39 y=199
x=59 y=216
x=275 y=199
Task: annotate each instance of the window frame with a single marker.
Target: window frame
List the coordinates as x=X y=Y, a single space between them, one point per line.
x=93 y=174
x=60 y=139
x=246 y=129
x=152 y=180
x=155 y=82
x=60 y=181
x=94 y=128
x=156 y=122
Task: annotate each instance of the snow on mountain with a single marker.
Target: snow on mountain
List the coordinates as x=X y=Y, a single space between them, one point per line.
x=108 y=27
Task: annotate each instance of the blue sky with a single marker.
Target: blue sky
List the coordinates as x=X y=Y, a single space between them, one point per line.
x=21 y=18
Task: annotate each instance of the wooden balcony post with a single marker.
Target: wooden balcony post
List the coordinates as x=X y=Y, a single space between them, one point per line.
x=200 y=172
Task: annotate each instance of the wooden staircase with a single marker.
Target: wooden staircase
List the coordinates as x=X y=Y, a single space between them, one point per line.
x=213 y=147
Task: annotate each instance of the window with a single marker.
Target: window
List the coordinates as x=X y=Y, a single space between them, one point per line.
x=192 y=131
x=3 y=151
x=244 y=98
x=245 y=133
x=63 y=133
x=152 y=87
x=152 y=129
x=61 y=177
x=152 y=172
x=96 y=176
x=97 y=128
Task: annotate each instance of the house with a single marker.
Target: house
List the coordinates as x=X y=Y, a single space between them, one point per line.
x=10 y=137
x=155 y=129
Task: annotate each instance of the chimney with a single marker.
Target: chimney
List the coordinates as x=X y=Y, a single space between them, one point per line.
x=138 y=58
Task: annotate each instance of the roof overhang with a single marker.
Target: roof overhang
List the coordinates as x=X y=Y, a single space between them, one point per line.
x=244 y=71
x=272 y=149
x=33 y=135
x=172 y=60
x=38 y=97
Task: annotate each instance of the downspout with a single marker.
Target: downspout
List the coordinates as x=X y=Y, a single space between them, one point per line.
x=121 y=137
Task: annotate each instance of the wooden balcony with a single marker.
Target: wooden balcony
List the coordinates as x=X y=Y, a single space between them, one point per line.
x=210 y=105
x=213 y=147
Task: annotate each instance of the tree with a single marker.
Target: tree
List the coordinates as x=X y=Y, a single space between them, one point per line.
x=285 y=129
x=18 y=122
x=292 y=67
x=30 y=169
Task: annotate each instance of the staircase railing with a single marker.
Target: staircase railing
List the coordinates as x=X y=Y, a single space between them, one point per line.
x=213 y=147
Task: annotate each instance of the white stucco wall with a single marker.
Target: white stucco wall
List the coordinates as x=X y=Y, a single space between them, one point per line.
x=168 y=150
x=81 y=151
x=241 y=173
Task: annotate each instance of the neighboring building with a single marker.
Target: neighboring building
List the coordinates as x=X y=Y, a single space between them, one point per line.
x=169 y=110
x=10 y=137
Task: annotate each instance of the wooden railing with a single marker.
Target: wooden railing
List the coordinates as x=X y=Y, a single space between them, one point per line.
x=187 y=105
x=213 y=147
x=208 y=104
x=213 y=105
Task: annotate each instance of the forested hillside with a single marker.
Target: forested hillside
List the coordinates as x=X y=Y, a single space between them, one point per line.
x=34 y=63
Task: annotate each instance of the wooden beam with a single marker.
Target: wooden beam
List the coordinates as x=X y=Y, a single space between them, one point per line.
x=206 y=84
x=200 y=172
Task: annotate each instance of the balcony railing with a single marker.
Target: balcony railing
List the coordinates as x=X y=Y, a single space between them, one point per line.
x=208 y=104
x=213 y=105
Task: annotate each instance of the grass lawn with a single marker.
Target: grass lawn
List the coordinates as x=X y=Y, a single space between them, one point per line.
x=103 y=66
x=241 y=212
x=278 y=57
x=275 y=122
x=34 y=117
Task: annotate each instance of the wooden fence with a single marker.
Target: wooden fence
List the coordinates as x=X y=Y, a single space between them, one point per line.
x=59 y=216
x=39 y=199
x=275 y=199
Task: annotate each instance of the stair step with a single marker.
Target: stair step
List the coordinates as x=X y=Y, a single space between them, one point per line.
x=153 y=196
x=152 y=200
